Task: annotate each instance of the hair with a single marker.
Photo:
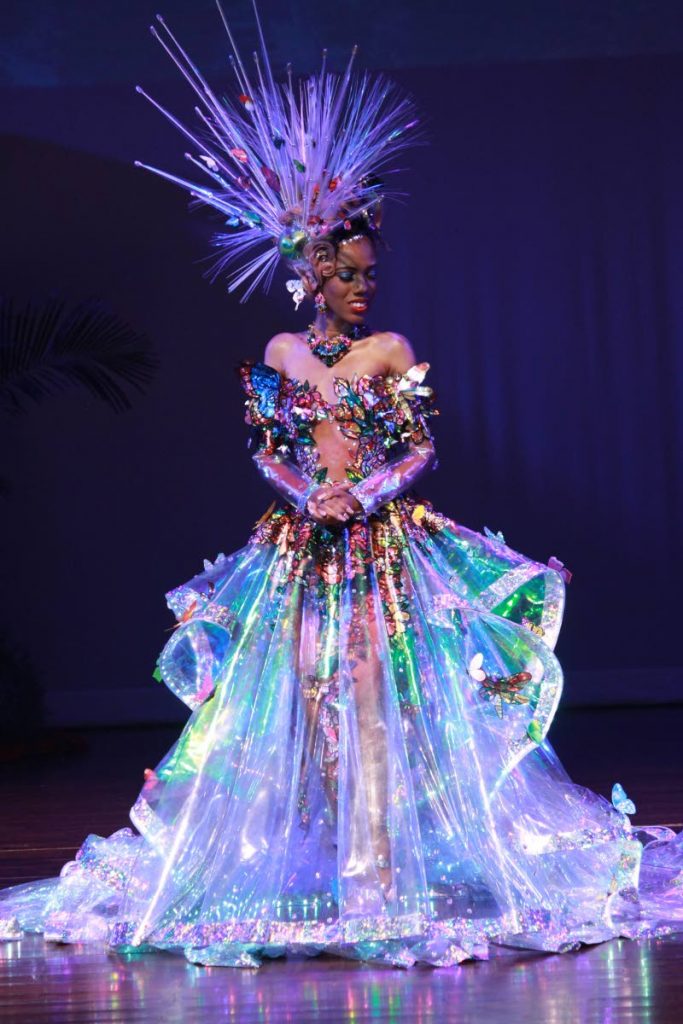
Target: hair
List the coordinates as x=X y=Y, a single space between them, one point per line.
x=321 y=254
x=359 y=224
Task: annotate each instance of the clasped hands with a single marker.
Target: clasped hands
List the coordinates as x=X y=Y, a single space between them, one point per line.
x=331 y=504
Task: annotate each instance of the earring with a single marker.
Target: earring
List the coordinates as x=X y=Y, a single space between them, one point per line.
x=320 y=303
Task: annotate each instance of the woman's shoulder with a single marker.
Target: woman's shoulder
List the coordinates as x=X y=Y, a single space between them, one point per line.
x=279 y=347
x=396 y=351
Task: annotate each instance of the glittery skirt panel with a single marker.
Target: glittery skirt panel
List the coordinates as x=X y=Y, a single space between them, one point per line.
x=365 y=769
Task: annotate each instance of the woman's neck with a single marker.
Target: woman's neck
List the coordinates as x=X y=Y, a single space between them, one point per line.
x=329 y=325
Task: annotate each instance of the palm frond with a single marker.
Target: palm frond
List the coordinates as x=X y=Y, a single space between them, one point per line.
x=50 y=346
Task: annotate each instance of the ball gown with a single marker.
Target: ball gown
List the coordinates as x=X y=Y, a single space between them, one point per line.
x=365 y=770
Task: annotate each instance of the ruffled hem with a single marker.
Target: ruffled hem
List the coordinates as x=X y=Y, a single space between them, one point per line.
x=84 y=905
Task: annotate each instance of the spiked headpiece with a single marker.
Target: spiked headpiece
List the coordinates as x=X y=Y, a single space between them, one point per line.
x=288 y=163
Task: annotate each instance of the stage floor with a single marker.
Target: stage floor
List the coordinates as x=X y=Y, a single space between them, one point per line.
x=49 y=804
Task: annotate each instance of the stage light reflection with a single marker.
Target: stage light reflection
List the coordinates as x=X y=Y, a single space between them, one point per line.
x=606 y=984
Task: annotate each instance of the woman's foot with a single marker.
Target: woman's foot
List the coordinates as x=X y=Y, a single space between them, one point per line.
x=385 y=875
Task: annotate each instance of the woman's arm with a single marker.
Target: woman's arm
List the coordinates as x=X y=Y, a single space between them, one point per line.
x=395 y=477
x=399 y=353
x=282 y=473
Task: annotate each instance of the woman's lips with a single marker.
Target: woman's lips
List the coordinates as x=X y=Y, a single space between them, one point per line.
x=358 y=305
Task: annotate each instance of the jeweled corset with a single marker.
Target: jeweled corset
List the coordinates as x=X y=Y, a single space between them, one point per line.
x=382 y=414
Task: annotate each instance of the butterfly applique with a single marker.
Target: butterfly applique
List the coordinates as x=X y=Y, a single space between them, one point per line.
x=621 y=801
x=499 y=690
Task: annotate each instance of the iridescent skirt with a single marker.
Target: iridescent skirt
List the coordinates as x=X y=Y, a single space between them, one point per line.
x=365 y=769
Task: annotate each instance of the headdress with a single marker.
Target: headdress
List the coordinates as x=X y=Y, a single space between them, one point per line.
x=288 y=163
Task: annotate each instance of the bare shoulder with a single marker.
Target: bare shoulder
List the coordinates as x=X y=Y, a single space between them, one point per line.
x=278 y=348
x=397 y=351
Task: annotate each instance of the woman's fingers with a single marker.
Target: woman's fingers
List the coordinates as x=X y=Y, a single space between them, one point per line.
x=328 y=516
x=338 y=506
x=335 y=491
x=332 y=504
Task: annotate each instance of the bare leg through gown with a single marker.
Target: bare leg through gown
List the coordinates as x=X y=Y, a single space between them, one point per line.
x=320 y=670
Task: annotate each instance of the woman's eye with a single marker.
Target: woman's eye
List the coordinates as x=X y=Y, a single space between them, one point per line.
x=348 y=275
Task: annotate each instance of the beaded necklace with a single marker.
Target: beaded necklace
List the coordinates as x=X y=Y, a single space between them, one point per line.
x=331 y=350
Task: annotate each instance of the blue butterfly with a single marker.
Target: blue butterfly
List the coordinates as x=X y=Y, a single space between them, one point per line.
x=621 y=801
x=266 y=383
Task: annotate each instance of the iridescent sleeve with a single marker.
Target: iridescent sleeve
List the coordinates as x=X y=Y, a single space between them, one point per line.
x=407 y=407
x=286 y=478
x=262 y=385
x=393 y=478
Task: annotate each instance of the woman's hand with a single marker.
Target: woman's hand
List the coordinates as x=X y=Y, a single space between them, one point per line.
x=331 y=504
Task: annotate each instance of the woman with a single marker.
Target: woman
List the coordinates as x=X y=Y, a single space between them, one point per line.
x=365 y=769
x=346 y=286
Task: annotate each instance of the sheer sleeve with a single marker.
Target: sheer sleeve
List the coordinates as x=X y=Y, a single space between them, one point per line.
x=286 y=478
x=393 y=478
x=409 y=404
x=262 y=385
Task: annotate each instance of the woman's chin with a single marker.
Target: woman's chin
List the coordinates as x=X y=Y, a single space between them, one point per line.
x=356 y=317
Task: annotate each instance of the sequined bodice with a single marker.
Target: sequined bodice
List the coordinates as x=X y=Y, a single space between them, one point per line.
x=377 y=412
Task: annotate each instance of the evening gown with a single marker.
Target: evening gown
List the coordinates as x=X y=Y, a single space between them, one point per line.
x=365 y=770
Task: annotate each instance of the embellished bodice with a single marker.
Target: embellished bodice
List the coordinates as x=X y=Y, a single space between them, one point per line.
x=381 y=414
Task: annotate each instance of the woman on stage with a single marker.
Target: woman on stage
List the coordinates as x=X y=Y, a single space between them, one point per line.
x=365 y=770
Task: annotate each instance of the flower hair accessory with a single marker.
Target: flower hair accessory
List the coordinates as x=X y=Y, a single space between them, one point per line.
x=287 y=163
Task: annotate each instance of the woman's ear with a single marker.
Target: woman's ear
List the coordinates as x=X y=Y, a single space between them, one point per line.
x=321 y=256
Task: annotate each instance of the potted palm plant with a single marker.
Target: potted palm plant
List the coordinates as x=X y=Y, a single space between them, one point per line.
x=47 y=347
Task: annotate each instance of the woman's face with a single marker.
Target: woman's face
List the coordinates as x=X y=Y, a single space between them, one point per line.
x=351 y=289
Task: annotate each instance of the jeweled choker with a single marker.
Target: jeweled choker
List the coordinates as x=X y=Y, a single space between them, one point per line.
x=331 y=350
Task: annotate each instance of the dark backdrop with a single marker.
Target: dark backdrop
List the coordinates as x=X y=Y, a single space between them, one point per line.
x=537 y=267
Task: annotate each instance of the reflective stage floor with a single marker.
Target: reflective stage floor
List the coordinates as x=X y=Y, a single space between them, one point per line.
x=49 y=803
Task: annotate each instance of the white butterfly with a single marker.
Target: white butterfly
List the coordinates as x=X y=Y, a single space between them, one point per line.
x=208 y=566
x=296 y=289
x=412 y=379
x=209 y=161
x=494 y=536
x=475 y=669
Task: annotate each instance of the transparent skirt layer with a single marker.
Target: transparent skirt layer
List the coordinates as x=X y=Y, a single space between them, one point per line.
x=365 y=769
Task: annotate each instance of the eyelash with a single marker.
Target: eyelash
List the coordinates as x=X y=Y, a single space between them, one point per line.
x=346 y=275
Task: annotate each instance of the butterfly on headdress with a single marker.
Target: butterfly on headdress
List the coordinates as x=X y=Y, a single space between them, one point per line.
x=296 y=289
x=287 y=163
